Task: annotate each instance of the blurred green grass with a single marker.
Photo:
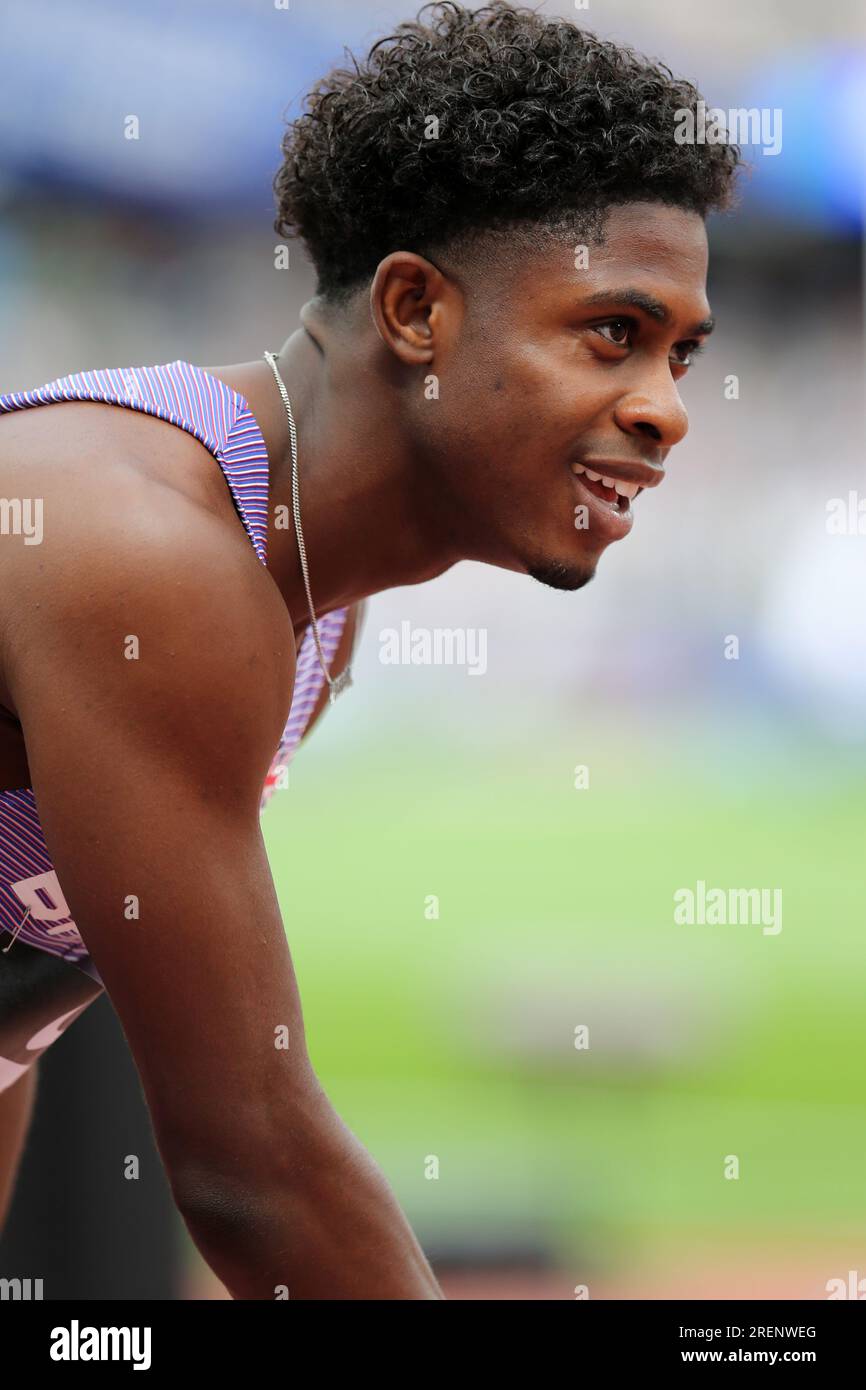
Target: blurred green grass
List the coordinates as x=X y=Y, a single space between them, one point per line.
x=455 y=1037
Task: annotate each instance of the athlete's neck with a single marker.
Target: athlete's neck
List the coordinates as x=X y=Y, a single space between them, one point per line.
x=370 y=519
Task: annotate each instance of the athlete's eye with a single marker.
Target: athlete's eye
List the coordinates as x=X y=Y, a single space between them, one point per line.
x=684 y=354
x=618 y=329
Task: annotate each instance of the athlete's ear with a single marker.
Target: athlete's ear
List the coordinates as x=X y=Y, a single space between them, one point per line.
x=413 y=305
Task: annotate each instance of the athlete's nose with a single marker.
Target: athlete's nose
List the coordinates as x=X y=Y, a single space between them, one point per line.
x=661 y=417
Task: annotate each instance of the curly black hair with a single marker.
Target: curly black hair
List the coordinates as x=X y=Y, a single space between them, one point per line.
x=538 y=125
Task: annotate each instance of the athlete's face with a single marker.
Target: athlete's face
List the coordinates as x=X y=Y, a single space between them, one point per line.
x=569 y=371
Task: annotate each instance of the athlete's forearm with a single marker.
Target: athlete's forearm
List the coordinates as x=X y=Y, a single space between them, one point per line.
x=335 y=1232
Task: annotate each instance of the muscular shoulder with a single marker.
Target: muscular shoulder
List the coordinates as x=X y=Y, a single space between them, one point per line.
x=143 y=599
x=99 y=452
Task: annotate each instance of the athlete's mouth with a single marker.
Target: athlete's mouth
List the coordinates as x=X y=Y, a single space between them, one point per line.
x=608 y=489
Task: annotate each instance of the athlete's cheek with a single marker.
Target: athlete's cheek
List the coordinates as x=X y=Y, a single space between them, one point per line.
x=595 y=405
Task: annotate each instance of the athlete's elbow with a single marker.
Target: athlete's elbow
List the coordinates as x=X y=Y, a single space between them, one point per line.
x=240 y=1208
x=224 y=1218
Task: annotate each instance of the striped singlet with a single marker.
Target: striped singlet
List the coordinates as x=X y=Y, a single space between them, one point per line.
x=33 y=908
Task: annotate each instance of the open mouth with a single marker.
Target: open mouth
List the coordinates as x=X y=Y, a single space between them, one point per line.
x=608 y=489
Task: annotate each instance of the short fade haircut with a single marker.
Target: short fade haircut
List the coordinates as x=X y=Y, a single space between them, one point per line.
x=540 y=128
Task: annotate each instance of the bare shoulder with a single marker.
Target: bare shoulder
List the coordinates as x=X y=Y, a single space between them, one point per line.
x=137 y=593
x=51 y=448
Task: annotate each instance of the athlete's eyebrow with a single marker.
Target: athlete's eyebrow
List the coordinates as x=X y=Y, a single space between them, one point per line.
x=652 y=307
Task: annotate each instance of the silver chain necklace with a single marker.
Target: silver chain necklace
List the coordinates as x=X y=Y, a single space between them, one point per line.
x=336 y=684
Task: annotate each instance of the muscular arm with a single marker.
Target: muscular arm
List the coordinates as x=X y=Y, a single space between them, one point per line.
x=150 y=667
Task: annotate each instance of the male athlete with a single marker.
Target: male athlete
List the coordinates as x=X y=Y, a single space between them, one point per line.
x=511 y=260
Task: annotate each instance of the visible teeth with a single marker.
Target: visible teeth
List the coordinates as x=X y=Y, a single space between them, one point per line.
x=622 y=489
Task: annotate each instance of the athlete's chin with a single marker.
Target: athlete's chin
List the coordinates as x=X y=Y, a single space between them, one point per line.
x=562 y=574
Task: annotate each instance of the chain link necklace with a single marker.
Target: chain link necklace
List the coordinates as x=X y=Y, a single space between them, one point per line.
x=336 y=684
